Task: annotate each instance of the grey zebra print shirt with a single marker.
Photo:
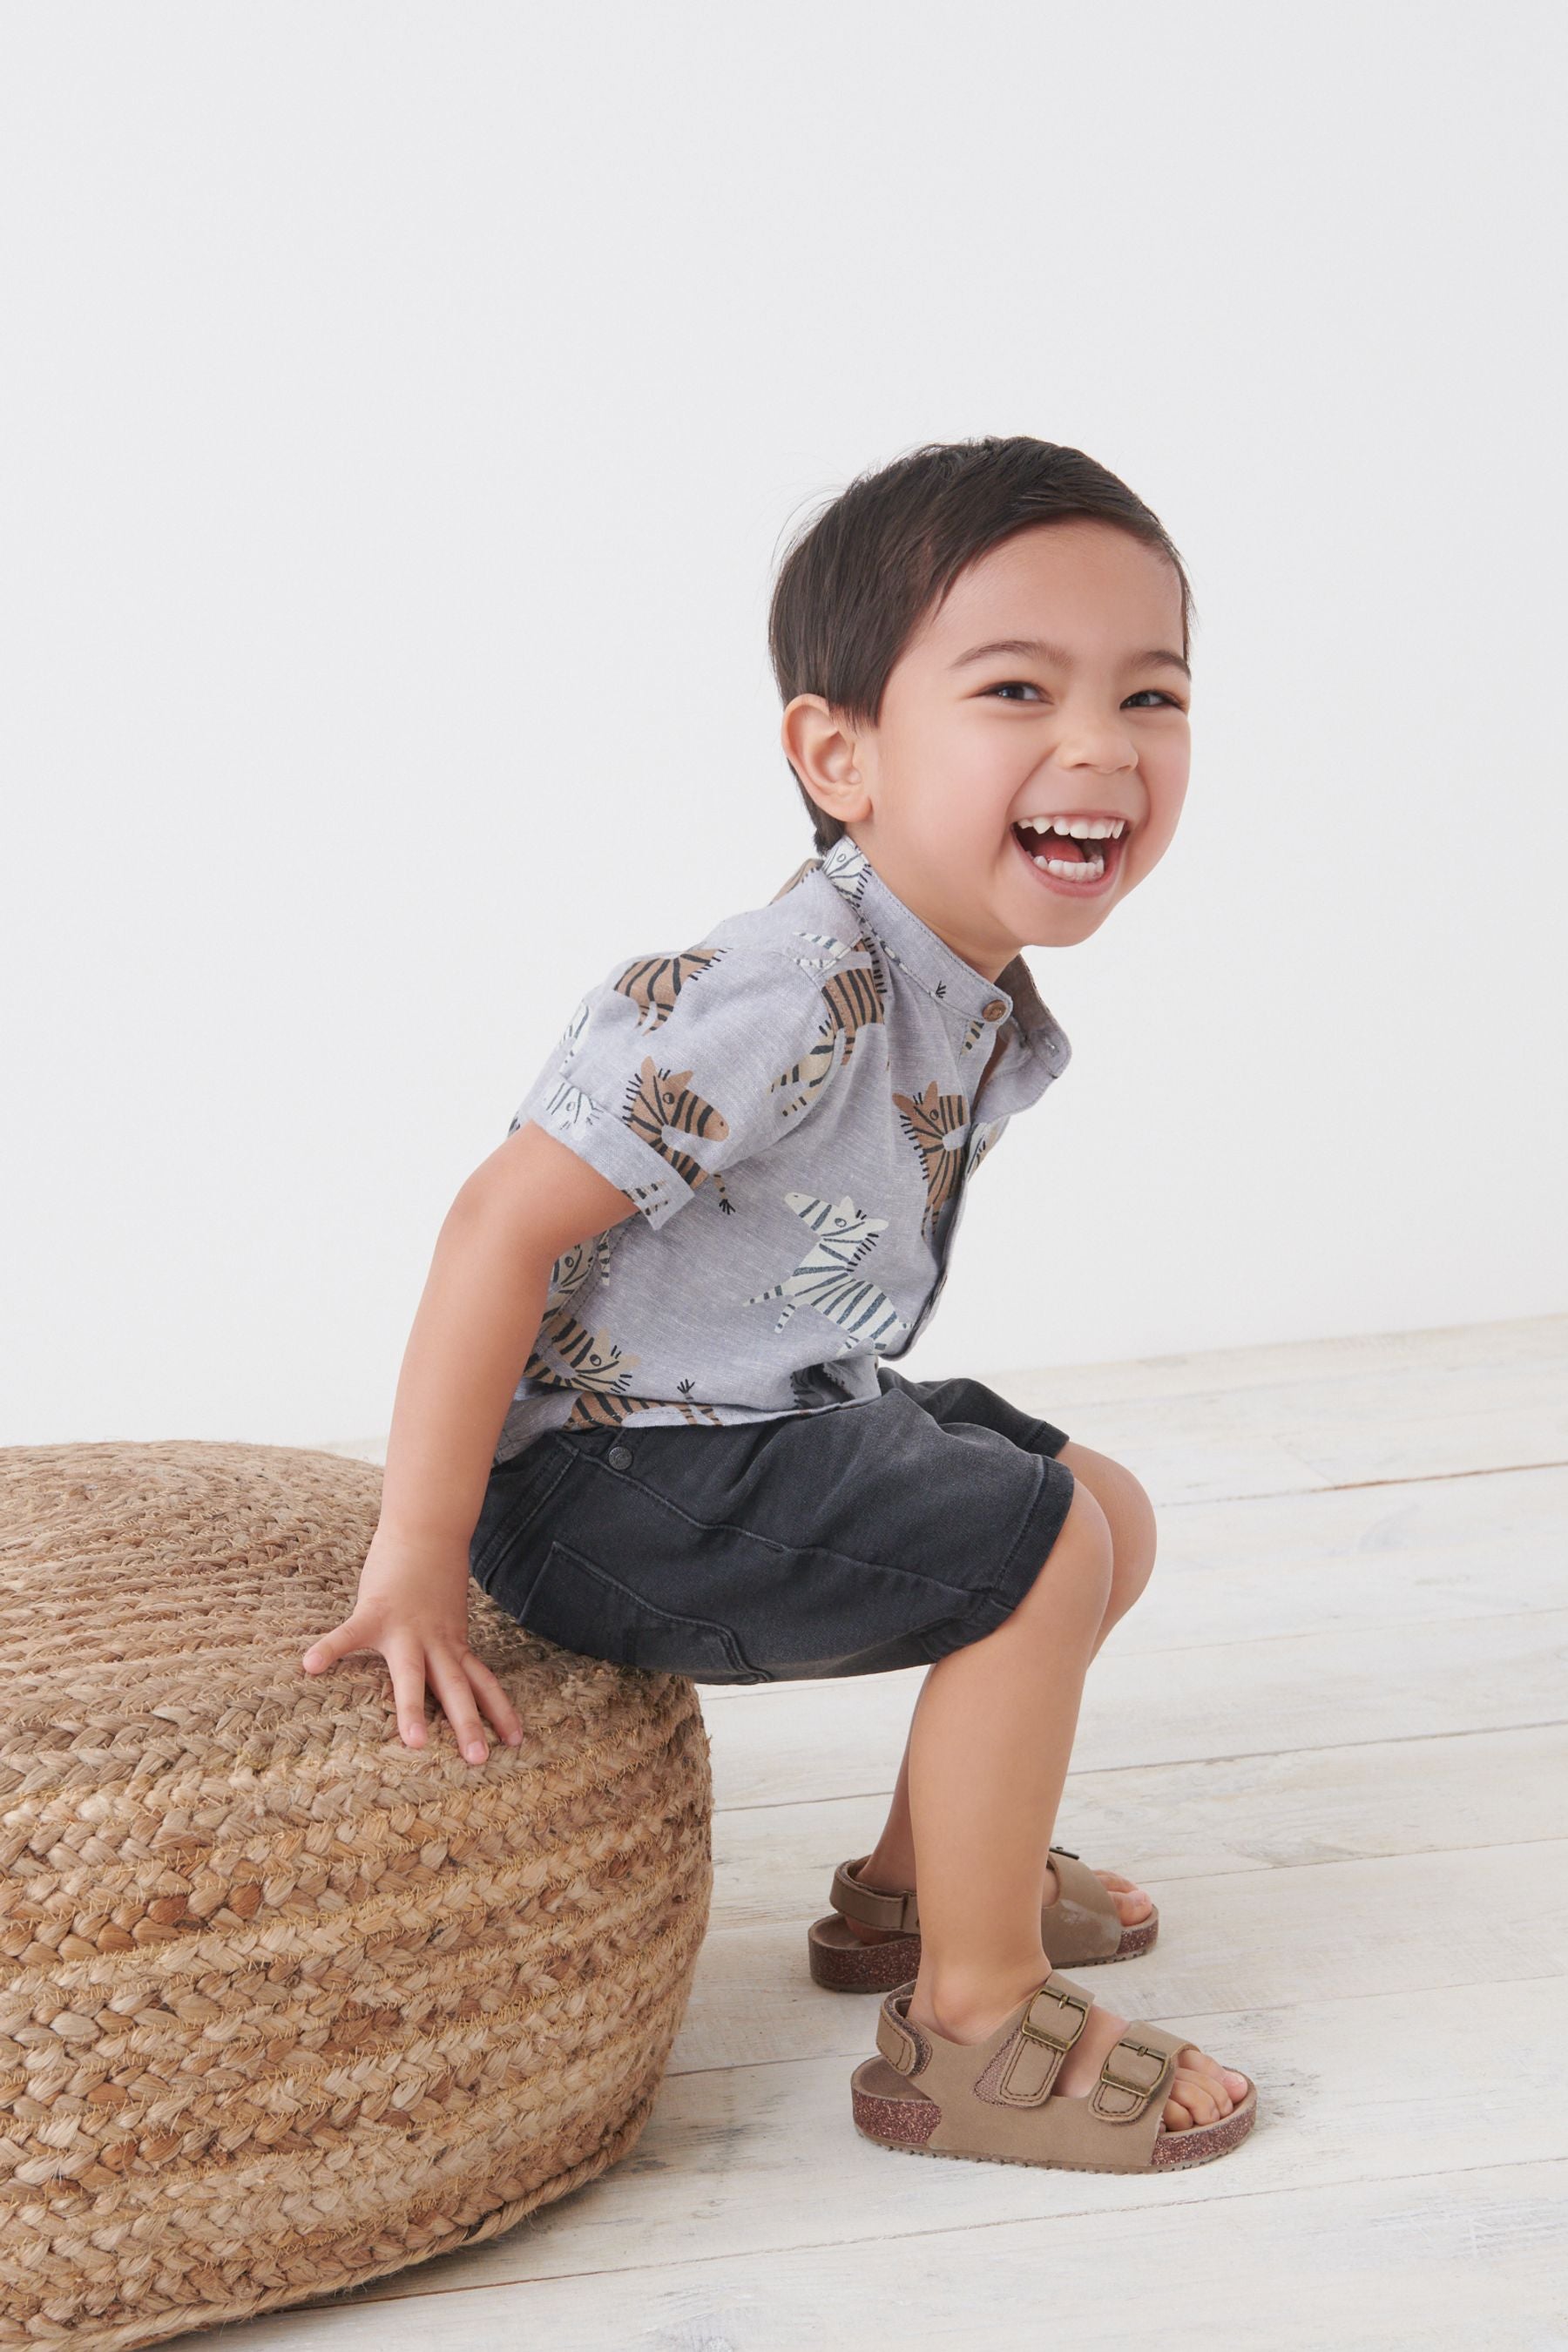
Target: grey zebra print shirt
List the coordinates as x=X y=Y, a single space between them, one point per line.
x=799 y=1089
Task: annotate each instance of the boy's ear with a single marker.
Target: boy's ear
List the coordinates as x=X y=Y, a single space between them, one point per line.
x=821 y=748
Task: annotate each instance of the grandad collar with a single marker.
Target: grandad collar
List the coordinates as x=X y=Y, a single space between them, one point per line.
x=946 y=978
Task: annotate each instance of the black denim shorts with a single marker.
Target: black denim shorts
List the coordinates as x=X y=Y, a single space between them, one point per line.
x=849 y=1542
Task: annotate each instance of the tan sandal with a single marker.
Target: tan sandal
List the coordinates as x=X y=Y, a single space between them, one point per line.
x=1080 y=1929
x=991 y=2100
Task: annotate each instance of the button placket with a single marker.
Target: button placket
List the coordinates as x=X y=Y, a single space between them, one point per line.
x=939 y=1285
x=960 y=1201
x=987 y=1038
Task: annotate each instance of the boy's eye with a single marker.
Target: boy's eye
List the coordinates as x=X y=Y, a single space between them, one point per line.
x=1008 y=684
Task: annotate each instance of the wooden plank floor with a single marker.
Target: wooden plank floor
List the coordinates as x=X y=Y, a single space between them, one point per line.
x=1331 y=1740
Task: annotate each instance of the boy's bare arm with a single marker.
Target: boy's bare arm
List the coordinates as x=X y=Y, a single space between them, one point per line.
x=477 y=1323
x=473 y=1333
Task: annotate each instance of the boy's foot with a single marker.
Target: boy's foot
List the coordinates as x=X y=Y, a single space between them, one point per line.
x=1131 y=1903
x=1201 y=2091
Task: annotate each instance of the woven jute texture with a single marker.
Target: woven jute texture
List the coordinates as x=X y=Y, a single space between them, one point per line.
x=285 y=2005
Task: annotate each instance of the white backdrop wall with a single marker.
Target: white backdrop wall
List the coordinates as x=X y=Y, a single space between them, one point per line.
x=405 y=409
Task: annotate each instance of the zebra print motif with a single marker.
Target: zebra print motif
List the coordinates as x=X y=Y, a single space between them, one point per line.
x=853 y=998
x=572 y=1268
x=567 y=1045
x=937 y=1125
x=825 y=1278
x=566 y=1356
x=574 y=1107
x=592 y=1411
x=837 y=949
x=653 y=983
x=657 y=1099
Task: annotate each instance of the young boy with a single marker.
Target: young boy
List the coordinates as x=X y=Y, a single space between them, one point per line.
x=706 y=1466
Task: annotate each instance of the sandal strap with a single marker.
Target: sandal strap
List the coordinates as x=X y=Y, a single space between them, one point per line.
x=900 y=1912
x=1087 y=1921
x=1055 y=2017
x=1142 y=2063
x=900 y=2043
x=1033 y=2047
x=868 y=1904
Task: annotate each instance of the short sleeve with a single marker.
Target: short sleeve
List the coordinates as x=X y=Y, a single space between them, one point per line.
x=675 y=1068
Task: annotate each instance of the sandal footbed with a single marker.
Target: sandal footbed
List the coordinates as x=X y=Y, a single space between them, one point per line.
x=886 y=2111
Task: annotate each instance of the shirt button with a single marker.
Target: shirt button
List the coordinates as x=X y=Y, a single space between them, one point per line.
x=994 y=1010
x=620 y=1457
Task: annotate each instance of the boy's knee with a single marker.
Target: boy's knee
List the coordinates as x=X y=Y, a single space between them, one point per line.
x=1130 y=1513
x=1135 y=1535
x=1085 y=1549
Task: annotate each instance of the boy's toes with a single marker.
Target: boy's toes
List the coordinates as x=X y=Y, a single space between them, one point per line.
x=1189 y=2105
x=1194 y=2099
x=1131 y=1903
x=1224 y=2078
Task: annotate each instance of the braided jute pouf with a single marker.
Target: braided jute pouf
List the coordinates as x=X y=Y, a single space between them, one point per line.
x=285 y=2005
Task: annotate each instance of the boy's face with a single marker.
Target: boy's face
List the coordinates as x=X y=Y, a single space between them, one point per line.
x=1095 y=726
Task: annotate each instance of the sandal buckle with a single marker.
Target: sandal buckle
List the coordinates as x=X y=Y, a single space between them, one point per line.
x=1133 y=2085
x=1062 y=2040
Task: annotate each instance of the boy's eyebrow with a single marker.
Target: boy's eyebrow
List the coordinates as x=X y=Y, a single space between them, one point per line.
x=1158 y=658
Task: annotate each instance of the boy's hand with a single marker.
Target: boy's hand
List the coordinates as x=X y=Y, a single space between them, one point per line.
x=412 y=1606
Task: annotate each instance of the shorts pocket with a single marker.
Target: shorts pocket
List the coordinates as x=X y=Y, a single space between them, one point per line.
x=581 y=1606
x=515 y=1494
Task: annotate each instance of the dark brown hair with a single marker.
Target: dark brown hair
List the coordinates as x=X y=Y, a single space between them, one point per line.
x=862 y=573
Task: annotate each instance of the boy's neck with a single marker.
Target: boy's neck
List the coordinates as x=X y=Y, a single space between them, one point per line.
x=989 y=966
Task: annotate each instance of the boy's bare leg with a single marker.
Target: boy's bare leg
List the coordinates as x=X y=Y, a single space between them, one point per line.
x=891 y=1865
x=988 y=1752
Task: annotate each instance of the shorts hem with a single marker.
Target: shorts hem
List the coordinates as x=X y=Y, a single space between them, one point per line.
x=1027 y=1558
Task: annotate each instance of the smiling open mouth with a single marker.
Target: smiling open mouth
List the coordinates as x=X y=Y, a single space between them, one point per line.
x=1075 y=863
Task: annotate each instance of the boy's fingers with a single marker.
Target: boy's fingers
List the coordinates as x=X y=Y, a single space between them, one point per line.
x=455 y=1691
x=331 y=1645
x=407 y=1670
x=454 y=1682
x=497 y=1705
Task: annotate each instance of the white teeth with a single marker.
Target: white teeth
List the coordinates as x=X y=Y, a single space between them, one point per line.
x=1079 y=828
x=1073 y=869
x=1091 y=866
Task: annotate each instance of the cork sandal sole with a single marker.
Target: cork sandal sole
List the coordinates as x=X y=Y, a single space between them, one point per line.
x=840 y=1960
x=994 y=2101
x=886 y=2111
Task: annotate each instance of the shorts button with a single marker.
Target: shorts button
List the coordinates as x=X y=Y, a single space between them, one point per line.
x=994 y=1010
x=620 y=1457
